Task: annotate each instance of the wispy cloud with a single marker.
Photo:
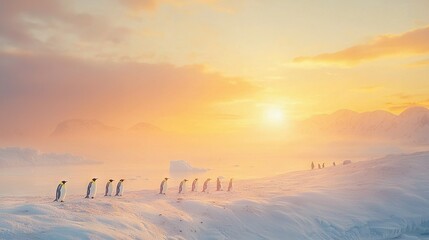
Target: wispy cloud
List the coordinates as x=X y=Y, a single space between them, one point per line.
x=400 y=106
x=410 y=43
x=421 y=63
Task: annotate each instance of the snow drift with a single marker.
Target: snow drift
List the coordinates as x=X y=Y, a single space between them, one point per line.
x=386 y=198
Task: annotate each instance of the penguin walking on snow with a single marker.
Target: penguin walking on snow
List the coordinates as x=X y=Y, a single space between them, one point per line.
x=312 y=165
x=163 y=187
x=92 y=189
x=218 y=185
x=319 y=166
x=206 y=185
x=61 y=192
x=120 y=188
x=182 y=186
x=109 y=188
x=230 y=185
x=333 y=163
x=195 y=185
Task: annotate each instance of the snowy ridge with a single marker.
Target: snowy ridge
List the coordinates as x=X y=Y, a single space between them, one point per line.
x=386 y=198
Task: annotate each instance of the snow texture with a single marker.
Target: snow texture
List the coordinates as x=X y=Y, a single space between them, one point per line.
x=386 y=198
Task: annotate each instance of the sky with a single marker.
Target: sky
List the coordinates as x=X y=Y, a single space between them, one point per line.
x=125 y=61
x=210 y=69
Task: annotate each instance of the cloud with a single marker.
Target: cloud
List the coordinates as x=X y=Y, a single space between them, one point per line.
x=398 y=106
x=149 y=5
x=140 y=5
x=421 y=63
x=47 y=25
x=410 y=43
x=46 y=89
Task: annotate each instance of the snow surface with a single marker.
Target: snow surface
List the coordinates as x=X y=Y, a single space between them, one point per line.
x=386 y=198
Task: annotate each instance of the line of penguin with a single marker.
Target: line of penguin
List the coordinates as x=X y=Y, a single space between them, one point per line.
x=92 y=188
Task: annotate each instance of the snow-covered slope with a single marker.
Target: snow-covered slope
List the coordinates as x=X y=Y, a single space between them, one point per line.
x=379 y=199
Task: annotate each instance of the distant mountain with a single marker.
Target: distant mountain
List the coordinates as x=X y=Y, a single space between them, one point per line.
x=412 y=125
x=95 y=128
x=75 y=127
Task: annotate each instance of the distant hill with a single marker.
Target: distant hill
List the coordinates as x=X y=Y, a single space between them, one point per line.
x=82 y=127
x=95 y=128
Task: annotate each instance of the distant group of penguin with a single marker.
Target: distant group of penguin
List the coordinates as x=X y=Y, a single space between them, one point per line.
x=182 y=185
x=92 y=188
x=320 y=166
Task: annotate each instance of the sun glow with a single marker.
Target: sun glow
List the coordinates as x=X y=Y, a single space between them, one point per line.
x=274 y=115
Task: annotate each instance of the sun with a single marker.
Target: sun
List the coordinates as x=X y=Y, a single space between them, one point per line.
x=274 y=115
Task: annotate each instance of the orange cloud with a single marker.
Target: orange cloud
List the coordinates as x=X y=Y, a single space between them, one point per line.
x=142 y=5
x=406 y=44
x=400 y=106
x=139 y=5
x=41 y=90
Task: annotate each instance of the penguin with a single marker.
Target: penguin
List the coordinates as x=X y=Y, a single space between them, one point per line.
x=319 y=166
x=109 y=188
x=323 y=165
x=312 y=165
x=206 y=185
x=218 y=185
x=92 y=189
x=333 y=163
x=230 y=185
x=163 y=187
x=195 y=185
x=182 y=186
x=120 y=188
x=61 y=192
